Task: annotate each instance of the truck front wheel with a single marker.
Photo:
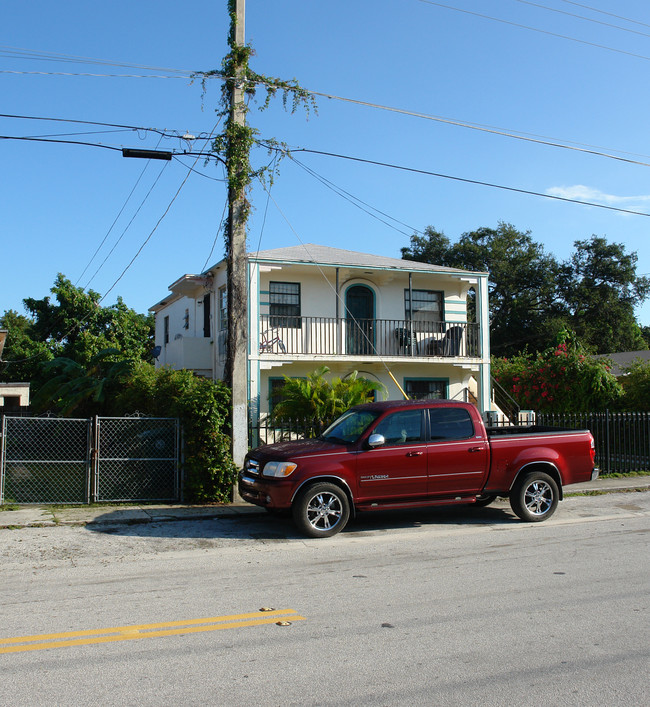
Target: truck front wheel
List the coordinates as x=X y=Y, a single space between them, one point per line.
x=534 y=497
x=321 y=510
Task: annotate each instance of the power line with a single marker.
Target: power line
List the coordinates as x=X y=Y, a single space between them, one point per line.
x=603 y=12
x=504 y=132
x=160 y=131
x=355 y=201
x=18 y=52
x=128 y=225
x=155 y=228
x=536 y=29
x=95 y=75
x=540 y=140
x=472 y=181
x=60 y=142
x=99 y=247
x=582 y=17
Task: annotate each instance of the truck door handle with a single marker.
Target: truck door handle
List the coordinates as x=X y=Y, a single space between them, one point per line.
x=414 y=454
x=476 y=449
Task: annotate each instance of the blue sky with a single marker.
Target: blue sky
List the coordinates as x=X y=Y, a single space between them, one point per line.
x=515 y=67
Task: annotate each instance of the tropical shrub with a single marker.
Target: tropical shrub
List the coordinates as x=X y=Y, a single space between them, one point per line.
x=316 y=399
x=203 y=408
x=561 y=379
x=636 y=384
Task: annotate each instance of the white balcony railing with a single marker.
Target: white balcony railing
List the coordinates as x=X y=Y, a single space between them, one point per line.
x=366 y=337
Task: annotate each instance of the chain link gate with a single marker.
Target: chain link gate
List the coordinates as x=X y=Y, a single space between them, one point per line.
x=136 y=459
x=63 y=460
x=45 y=460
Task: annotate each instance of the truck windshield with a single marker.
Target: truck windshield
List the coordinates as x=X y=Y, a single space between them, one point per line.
x=349 y=427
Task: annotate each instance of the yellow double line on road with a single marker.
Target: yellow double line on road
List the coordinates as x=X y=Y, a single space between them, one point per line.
x=21 y=644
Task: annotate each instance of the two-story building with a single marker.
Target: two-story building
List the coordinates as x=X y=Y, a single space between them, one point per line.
x=399 y=322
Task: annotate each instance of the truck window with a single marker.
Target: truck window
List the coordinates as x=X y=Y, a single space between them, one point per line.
x=449 y=424
x=349 y=427
x=404 y=427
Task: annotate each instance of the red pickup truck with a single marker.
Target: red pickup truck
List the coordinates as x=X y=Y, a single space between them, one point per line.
x=405 y=454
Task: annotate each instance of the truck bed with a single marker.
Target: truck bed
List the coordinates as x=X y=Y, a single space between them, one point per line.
x=501 y=431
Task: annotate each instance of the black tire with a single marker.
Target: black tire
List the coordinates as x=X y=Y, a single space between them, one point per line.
x=485 y=499
x=321 y=510
x=534 y=497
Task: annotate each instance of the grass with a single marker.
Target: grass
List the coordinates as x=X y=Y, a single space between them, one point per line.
x=626 y=475
x=604 y=492
x=9 y=506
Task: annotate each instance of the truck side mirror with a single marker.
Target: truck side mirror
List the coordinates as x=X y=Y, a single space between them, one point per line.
x=376 y=440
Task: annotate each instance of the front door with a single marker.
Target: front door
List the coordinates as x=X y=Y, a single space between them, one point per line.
x=360 y=312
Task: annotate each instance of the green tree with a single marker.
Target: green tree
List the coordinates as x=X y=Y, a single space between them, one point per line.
x=645 y=333
x=73 y=325
x=316 y=399
x=636 y=384
x=564 y=378
x=84 y=390
x=22 y=356
x=78 y=327
x=601 y=288
x=524 y=308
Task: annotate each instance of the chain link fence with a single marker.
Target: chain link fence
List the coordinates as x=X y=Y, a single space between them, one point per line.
x=63 y=460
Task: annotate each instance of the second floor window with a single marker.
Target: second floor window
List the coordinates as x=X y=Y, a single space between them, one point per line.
x=284 y=302
x=426 y=309
x=223 y=308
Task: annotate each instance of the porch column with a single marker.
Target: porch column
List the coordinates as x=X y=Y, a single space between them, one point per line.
x=254 y=342
x=483 y=319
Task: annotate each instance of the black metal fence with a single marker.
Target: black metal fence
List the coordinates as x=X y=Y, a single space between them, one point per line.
x=268 y=431
x=622 y=438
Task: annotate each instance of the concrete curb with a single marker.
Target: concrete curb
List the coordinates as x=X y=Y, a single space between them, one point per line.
x=49 y=516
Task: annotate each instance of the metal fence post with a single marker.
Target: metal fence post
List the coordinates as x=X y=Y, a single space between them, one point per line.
x=180 y=433
x=2 y=459
x=93 y=461
x=607 y=443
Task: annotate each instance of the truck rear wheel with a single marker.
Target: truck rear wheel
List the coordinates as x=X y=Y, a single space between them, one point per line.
x=534 y=497
x=321 y=510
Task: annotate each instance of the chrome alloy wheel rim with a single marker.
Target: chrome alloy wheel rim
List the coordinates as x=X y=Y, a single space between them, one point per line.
x=539 y=498
x=324 y=511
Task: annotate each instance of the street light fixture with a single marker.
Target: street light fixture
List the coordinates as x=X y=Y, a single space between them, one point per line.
x=146 y=154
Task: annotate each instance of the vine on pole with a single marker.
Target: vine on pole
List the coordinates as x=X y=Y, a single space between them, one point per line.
x=234 y=143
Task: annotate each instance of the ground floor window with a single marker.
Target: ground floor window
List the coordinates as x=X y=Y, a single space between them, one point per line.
x=426 y=388
x=275 y=386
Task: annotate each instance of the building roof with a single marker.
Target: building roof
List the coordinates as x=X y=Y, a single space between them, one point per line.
x=313 y=254
x=310 y=253
x=623 y=359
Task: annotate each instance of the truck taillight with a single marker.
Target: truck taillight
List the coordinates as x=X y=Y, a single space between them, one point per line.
x=592 y=451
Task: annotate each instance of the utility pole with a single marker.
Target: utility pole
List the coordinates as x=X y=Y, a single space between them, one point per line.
x=237 y=355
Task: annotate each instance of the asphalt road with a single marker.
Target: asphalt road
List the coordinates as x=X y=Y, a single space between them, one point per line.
x=439 y=607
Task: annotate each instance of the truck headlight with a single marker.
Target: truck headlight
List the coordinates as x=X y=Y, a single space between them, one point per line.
x=278 y=468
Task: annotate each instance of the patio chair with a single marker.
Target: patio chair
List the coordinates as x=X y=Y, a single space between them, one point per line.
x=451 y=342
x=406 y=339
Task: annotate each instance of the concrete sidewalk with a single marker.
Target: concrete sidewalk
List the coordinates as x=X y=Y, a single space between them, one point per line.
x=44 y=516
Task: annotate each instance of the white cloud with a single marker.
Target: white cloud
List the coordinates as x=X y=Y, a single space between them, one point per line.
x=583 y=193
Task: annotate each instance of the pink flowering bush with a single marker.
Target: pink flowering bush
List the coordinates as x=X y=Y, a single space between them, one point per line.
x=561 y=379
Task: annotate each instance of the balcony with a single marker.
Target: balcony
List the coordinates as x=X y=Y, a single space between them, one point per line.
x=329 y=336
